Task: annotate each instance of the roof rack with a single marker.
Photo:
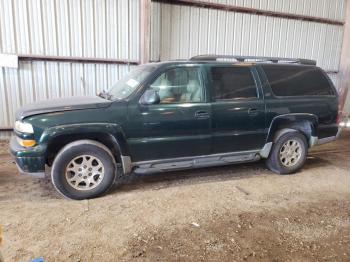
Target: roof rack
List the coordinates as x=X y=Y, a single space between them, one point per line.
x=257 y=58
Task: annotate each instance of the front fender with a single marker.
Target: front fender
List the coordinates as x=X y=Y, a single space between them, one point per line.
x=113 y=130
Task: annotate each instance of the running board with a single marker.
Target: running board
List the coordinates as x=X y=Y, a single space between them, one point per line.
x=194 y=162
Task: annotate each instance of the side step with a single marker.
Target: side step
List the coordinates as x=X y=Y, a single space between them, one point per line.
x=194 y=162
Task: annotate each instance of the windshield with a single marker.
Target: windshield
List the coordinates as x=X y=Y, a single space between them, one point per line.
x=129 y=83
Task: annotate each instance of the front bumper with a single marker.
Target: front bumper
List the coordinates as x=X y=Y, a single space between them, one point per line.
x=30 y=161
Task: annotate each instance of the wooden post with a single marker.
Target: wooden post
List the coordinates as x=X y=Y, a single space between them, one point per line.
x=344 y=72
x=145 y=31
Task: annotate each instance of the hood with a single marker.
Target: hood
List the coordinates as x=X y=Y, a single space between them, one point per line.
x=62 y=104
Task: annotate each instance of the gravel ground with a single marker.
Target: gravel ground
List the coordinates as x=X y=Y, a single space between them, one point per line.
x=234 y=213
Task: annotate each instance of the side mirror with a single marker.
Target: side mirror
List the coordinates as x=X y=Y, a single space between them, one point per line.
x=150 y=97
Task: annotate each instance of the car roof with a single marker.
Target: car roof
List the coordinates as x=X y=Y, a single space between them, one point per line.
x=238 y=60
x=220 y=63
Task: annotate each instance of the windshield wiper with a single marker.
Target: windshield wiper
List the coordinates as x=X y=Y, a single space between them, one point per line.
x=105 y=95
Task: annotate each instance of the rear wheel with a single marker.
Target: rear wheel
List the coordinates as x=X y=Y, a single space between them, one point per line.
x=288 y=154
x=83 y=169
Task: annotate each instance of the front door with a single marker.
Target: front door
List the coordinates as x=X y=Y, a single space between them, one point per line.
x=238 y=109
x=177 y=126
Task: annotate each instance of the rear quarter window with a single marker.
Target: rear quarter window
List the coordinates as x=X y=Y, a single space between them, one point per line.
x=298 y=81
x=231 y=83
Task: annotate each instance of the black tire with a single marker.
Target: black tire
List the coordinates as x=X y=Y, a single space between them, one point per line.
x=84 y=149
x=275 y=163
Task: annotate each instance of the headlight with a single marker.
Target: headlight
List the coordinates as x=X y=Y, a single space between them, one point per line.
x=24 y=127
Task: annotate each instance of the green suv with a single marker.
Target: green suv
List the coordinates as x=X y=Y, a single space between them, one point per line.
x=205 y=111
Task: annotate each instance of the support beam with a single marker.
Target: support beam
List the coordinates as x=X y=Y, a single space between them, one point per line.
x=249 y=10
x=344 y=72
x=72 y=59
x=6 y=128
x=145 y=31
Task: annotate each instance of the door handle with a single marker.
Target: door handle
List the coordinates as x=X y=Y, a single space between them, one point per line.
x=253 y=111
x=201 y=114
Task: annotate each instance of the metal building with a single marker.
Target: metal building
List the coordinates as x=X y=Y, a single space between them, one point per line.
x=65 y=48
x=69 y=48
x=181 y=31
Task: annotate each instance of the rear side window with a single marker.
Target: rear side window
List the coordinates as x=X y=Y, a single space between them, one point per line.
x=232 y=83
x=297 y=81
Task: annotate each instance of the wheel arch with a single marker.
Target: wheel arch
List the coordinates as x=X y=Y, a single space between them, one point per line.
x=110 y=135
x=307 y=124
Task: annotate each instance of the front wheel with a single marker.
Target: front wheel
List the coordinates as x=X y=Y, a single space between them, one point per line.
x=83 y=169
x=288 y=154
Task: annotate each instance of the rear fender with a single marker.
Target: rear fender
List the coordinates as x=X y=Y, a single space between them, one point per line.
x=307 y=124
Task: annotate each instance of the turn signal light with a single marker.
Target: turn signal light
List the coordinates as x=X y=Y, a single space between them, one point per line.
x=26 y=143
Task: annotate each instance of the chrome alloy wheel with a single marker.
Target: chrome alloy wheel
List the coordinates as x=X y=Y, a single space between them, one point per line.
x=84 y=172
x=290 y=153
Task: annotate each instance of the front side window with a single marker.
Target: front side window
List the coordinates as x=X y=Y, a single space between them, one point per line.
x=179 y=85
x=297 y=81
x=129 y=83
x=231 y=83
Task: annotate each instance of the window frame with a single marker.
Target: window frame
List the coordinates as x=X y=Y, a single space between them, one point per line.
x=253 y=73
x=334 y=91
x=201 y=82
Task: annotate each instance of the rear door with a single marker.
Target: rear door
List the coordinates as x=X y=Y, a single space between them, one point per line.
x=238 y=109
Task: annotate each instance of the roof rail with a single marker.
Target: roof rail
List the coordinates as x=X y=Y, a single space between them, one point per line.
x=257 y=58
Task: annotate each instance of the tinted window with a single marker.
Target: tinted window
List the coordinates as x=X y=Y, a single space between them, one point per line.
x=297 y=81
x=232 y=83
x=179 y=85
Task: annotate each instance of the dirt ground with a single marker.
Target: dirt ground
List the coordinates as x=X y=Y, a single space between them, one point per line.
x=233 y=213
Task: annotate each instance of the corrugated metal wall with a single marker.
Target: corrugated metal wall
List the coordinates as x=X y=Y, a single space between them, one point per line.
x=89 y=28
x=332 y=9
x=79 y=28
x=183 y=31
